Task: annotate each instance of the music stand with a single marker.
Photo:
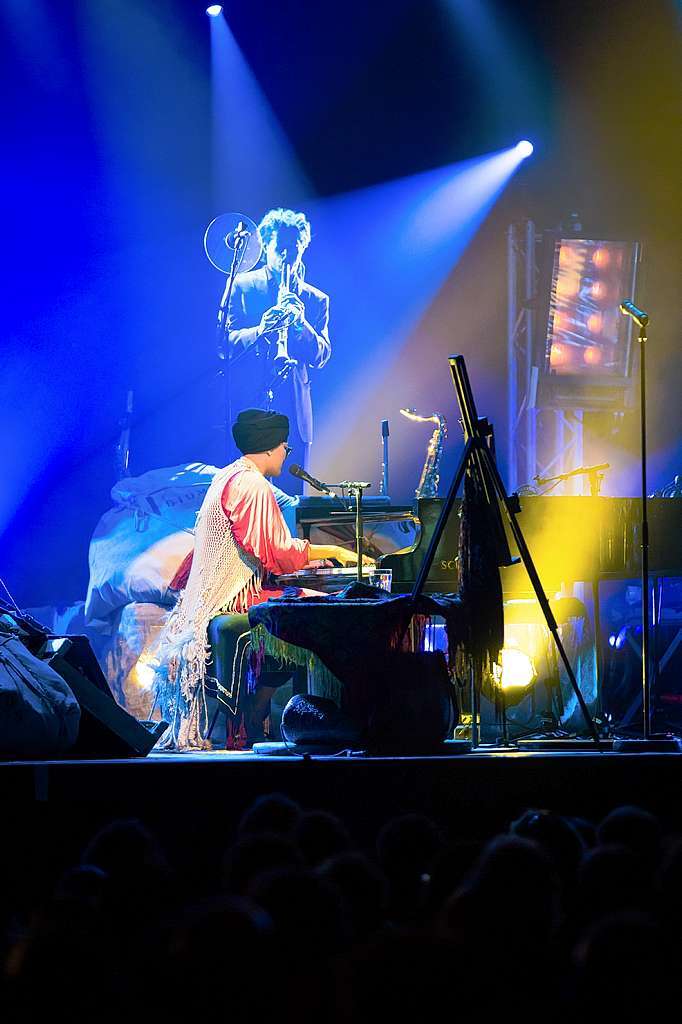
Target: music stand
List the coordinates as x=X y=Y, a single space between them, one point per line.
x=478 y=458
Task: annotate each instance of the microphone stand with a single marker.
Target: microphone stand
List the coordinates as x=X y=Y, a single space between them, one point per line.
x=355 y=489
x=649 y=742
x=122 y=450
x=593 y=473
x=384 y=486
x=240 y=244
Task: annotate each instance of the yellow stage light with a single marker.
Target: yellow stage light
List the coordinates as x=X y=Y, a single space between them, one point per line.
x=568 y=258
x=558 y=355
x=593 y=355
x=516 y=669
x=595 y=323
x=568 y=284
x=143 y=673
x=601 y=257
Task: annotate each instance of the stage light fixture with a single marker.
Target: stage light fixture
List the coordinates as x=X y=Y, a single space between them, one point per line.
x=593 y=355
x=143 y=673
x=524 y=148
x=601 y=257
x=558 y=355
x=516 y=669
x=595 y=323
x=214 y=10
x=584 y=282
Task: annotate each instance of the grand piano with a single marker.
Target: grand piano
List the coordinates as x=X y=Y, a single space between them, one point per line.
x=396 y=535
x=571 y=539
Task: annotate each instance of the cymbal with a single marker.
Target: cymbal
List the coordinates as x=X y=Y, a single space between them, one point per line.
x=222 y=237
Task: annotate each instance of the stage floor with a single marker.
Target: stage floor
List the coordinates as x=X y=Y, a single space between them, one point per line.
x=477 y=792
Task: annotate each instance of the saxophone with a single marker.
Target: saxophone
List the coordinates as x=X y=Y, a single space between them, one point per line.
x=428 y=481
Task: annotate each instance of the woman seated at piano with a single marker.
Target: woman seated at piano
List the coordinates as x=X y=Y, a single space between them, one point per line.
x=242 y=543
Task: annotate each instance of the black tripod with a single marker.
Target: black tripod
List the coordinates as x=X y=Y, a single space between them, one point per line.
x=478 y=459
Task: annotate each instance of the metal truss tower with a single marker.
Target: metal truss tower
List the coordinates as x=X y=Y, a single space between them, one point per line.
x=544 y=440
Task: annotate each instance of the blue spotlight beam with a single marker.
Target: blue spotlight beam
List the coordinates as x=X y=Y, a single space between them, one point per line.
x=254 y=164
x=42 y=49
x=119 y=232
x=401 y=240
x=493 y=41
x=383 y=253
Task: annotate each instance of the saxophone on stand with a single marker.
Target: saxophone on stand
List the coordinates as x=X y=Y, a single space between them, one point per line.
x=430 y=475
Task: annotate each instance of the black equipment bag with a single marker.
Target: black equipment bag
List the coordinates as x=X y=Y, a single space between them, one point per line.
x=39 y=713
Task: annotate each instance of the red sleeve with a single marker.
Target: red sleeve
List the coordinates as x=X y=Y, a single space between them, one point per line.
x=179 y=581
x=258 y=525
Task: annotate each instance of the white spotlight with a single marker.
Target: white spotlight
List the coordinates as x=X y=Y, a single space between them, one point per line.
x=524 y=148
x=214 y=10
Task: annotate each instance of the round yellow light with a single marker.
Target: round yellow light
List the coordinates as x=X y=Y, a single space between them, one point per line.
x=143 y=673
x=558 y=355
x=593 y=355
x=516 y=669
x=568 y=284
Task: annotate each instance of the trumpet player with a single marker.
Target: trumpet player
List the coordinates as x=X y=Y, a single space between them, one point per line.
x=278 y=330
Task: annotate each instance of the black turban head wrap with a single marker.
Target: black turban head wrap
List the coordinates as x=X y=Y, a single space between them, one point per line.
x=258 y=431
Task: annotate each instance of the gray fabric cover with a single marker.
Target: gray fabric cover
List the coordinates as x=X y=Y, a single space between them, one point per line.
x=138 y=546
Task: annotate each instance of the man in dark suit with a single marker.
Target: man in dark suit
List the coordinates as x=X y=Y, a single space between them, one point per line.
x=278 y=330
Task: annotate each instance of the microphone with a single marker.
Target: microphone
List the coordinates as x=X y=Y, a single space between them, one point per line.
x=298 y=471
x=638 y=315
x=236 y=237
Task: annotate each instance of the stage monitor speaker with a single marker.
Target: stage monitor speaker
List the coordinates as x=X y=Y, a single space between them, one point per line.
x=106 y=729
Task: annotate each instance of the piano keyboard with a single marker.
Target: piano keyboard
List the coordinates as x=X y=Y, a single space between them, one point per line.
x=330 y=581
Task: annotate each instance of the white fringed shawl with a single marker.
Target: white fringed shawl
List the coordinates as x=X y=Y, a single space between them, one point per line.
x=222 y=579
